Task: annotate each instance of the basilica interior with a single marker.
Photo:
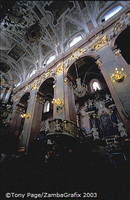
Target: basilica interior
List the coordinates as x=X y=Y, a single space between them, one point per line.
x=65 y=97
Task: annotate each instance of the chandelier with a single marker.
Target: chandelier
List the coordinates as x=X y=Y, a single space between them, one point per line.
x=80 y=88
x=26 y=115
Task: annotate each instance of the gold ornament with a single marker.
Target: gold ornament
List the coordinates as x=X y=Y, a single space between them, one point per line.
x=118 y=75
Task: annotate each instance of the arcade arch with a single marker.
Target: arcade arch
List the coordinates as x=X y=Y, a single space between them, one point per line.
x=96 y=111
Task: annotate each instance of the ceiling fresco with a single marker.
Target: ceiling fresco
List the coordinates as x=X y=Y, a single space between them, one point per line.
x=33 y=30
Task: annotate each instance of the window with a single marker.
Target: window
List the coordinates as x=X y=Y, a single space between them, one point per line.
x=112 y=12
x=95 y=85
x=75 y=40
x=17 y=85
x=33 y=72
x=50 y=59
x=46 y=107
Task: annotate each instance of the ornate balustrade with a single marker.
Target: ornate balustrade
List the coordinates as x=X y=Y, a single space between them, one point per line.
x=63 y=127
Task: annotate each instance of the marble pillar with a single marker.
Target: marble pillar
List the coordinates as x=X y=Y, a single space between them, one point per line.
x=27 y=127
x=37 y=117
x=15 y=121
x=118 y=91
x=59 y=111
x=70 y=107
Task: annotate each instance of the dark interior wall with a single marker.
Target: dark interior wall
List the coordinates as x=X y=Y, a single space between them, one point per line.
x=123 y=43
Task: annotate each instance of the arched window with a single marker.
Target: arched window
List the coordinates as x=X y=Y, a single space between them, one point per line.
x=95 y=85
x=75 y=40
x=46 y=107
x=50 y=59
x=111 y=13
x=33 y=72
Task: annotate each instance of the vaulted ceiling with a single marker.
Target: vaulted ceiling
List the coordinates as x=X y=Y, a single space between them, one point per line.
x=31 y=31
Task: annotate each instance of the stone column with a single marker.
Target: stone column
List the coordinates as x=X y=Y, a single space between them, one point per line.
x=25 y=136
x=59 y=110
x=16 y=119
x=120 y=91
x=69 y=96
x=64 y=91
x=37 y=116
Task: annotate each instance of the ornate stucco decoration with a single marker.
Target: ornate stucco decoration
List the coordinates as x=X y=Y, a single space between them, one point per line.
x=59 y=126
x=60 y=69
x=35 y=85
x=76 y=54
x=117 y=52
x=122 y=23
x=100 y=43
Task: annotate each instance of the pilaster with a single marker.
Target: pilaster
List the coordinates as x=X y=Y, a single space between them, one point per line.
x=118 y=90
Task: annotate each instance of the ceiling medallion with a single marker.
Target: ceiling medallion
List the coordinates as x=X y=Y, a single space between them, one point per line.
x=33 y=33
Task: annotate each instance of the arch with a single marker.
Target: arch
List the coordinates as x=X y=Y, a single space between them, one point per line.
x=92 y=101
x=44 y=82
x=85 y=54
x=122 y=42
x=27 y=93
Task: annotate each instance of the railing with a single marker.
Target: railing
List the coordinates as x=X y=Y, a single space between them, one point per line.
x=59 y=126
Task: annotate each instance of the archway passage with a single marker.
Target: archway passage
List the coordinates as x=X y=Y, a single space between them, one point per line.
x=97 y=115
x=46 y=90
x=123 y=43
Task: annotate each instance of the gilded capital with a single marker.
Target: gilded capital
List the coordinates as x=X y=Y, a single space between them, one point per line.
x=59 y=69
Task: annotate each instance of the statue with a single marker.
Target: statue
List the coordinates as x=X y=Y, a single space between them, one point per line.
x=121 y=130
x=95 y=133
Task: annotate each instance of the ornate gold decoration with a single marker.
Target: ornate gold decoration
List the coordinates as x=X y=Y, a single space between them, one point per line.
x=75 y=55
x=60 y=69
x=118 y=75
x=59 y=126
x=100 y=43
x=118 y=27
x=47 y=74
x=58 y=102
x=117 y=52
x=26 y=115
